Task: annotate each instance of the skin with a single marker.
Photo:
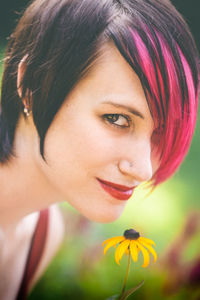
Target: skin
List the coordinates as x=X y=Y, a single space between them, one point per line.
x=82 y=145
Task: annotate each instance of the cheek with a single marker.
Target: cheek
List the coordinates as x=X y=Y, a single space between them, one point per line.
x=97 y=146
x=76 y=155
x=79 y=146
x=89 y=142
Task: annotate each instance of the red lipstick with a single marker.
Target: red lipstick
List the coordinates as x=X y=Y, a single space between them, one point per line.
x=117 y=191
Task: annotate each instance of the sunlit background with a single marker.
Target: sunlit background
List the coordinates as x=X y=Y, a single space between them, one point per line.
x=170 y=216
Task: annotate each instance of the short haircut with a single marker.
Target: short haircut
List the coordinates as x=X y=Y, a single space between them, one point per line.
x=61 y=41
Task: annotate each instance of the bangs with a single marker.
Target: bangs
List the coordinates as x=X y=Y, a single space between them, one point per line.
x=169 y=87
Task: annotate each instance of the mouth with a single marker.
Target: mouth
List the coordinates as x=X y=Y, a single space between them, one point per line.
x=117 y=191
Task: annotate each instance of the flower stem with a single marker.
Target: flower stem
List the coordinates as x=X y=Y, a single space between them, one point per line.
x=126 y=276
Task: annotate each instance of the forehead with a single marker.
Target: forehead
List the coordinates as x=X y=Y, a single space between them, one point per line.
x=112 y=78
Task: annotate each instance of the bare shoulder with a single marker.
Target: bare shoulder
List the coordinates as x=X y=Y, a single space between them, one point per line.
x=56 y=232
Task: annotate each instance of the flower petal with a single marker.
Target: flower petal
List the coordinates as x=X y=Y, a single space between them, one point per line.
x=146 y=240
x=112 y=242
x=134 y=251
x=120 y=250
x=116 y=237
x=145 y=254
x=151 y=250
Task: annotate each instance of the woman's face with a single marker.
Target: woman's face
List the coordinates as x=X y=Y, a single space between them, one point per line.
x=101 y=136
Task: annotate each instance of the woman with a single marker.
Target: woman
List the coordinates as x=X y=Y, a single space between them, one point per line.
x=97 y=97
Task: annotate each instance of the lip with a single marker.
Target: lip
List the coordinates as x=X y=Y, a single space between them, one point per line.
x=118 y=191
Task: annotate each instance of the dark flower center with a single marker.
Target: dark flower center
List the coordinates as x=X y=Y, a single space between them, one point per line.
x=131 y=234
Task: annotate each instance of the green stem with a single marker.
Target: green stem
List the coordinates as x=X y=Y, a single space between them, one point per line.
x=126 y=276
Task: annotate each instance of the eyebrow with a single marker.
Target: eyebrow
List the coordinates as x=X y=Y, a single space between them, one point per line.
x=128 y=108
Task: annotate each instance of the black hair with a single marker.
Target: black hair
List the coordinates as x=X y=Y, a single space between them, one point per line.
x=61 y=40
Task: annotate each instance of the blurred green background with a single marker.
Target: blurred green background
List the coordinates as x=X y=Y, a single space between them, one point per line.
x=170 y=216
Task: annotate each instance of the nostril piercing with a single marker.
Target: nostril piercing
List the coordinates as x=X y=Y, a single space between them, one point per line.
x=130 y=164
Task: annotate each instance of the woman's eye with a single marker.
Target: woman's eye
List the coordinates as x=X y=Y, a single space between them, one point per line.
x=118 y=120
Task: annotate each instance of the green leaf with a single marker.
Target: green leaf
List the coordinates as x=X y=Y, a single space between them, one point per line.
x=126 y=294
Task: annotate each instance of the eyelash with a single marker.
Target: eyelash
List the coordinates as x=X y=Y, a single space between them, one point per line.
x=109 y=118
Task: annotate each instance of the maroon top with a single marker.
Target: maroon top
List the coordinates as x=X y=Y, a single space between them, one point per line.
x=35 y=253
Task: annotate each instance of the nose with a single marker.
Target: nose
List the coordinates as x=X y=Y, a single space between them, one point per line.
x=136 y=163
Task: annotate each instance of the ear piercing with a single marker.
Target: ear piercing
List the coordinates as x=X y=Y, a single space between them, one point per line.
x=26 y=111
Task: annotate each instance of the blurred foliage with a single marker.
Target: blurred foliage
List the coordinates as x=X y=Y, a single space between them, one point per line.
x=2 y=49
x=80 y=271
x=190 y=10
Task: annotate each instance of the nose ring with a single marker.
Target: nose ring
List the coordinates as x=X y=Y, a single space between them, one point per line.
x=130 y=164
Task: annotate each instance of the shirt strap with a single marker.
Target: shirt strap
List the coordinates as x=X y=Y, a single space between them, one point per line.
x=35 y=253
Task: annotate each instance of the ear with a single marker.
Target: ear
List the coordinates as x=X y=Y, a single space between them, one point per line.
x=20 y=74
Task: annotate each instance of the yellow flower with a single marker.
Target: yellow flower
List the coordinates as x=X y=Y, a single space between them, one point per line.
x=131 y=242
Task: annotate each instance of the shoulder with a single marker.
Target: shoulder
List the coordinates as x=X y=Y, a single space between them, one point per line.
x=14 y=248
x=56 y=229
x=55 y=235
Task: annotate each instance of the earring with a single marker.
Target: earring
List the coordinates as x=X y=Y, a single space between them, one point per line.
x=26 y=111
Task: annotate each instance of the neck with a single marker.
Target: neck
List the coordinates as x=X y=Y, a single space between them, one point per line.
x=23 y=192
x=23 y=187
